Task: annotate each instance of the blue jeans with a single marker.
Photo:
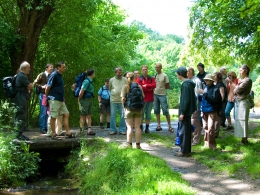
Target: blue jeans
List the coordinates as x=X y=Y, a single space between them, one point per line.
x=148 y=106
x=43 y=114
x=114 y=107
x=228 y=109
x=160 y=101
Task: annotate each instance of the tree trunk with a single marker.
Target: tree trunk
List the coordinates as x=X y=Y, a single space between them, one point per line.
x=30 y=26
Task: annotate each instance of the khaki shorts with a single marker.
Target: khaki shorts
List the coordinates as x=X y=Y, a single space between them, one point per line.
x=85 y=106
x=133 y=113
x=57 y=108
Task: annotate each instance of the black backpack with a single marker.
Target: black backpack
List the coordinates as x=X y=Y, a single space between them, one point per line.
x=9 y=86
x=134 y=99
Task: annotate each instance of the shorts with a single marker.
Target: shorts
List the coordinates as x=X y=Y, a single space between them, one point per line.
x=132 y=113
x=160 y=101
x=148 y=106
x=104 y=108
x=57 y=108
x=85 y=106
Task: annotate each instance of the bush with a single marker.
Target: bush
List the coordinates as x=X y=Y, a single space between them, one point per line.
x=16 y=161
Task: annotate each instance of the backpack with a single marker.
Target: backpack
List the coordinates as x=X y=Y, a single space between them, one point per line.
x=134 y=99
x=79 y=80
x=9 y=86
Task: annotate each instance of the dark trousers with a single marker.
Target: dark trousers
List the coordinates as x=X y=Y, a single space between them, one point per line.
x=223 y=116
x=21 y=101
x=185 y=135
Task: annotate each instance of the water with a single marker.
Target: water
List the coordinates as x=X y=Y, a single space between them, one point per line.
x=48 y=186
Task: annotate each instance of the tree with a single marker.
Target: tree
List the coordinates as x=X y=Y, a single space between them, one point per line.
x=27 y=19
x=83 y=40
x=222 y=30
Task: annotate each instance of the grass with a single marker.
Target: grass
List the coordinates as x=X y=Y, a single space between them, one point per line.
x=232 y=158
x=106 y=168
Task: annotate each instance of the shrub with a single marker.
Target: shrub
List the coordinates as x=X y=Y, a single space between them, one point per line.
x=16 y=161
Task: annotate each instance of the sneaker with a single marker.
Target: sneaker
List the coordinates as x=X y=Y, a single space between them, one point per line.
x=147 y=131
x=229 y=128
x=22 y=137
x=43 y=131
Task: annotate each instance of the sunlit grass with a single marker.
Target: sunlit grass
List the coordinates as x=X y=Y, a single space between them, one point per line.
x=114 y=170
x=232 y=157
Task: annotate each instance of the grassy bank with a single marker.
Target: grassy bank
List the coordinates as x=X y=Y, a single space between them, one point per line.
x=105 y=168
x=232 y=157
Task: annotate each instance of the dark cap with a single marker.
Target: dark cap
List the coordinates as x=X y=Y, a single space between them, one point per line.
x=181 y=69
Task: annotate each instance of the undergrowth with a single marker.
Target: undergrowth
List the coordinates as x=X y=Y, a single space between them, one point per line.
x=16 y=161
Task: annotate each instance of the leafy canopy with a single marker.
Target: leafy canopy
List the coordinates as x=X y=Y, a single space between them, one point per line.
x=223 y=30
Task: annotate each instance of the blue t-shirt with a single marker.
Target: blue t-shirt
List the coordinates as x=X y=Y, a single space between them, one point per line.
x=57 y=87
x=105 y=93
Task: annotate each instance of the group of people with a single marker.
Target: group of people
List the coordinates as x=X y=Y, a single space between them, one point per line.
x=154 y=94
x=215 y=96
x=203 y=97
x=52 y=102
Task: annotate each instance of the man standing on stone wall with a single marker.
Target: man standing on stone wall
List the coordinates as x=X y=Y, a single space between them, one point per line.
x=21 y=100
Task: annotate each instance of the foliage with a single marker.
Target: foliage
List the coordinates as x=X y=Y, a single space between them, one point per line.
x=8 y=43
x=223 y=30
x=110 y=169
x=102 y=42
x=16 y=161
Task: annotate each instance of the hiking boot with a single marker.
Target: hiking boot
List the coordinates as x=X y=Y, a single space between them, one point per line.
x=147 y=131
x=138 y=146
x=142 y=128
x=229 y=128
x=223 y=125
x=102 y=126
x=22 y=137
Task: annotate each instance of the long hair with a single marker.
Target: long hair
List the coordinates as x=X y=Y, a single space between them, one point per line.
x=130 y=79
